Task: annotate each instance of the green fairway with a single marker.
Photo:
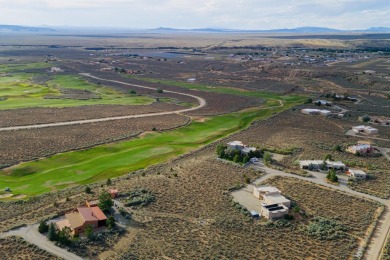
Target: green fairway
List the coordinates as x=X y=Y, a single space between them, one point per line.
x=5 y=68
x=107 y=161
x=19 y=92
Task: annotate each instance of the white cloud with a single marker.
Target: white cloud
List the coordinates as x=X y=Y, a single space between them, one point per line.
x=245 y=14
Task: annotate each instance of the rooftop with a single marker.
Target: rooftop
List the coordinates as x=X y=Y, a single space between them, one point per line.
x=236 y=143
x=75 y=220
x=277 y=198
x=267 y=189
x=91 y=214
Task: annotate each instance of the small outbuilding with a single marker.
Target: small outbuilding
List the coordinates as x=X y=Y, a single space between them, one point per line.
x=113 y=193
x=357 y=174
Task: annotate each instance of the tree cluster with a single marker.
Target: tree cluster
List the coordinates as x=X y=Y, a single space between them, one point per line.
x=331 y=176
x=236 y=156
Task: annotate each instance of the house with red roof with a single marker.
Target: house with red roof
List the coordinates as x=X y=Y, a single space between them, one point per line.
x=82 y=217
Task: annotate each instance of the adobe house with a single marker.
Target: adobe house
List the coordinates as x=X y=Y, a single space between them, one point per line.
x=82 y=217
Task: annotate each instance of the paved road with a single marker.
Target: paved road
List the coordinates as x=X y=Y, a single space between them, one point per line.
x=202 y=103
x=379 y=236
x=31 y=235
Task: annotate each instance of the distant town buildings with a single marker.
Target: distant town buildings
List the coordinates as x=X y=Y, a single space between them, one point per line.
x=310 y=111
x=318 y=165
x=361 y=148
x=56 y=69
x=357 y=174
x=367 y=130
x=239 y=146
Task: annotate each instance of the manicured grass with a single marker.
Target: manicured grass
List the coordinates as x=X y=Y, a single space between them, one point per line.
x=20 y=67
x=107 y=161
x=21 y=93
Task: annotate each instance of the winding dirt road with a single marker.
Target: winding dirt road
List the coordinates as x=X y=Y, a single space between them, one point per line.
x=202 y=103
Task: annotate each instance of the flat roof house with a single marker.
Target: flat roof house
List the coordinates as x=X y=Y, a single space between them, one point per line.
x=238 y=145
x=318 y=164
x=310 y=111
x=277 y=199
x=357 y=174
x=362 y=129
x=360 y=149
x=271 y=195
x=262 y=190
x=273 y=211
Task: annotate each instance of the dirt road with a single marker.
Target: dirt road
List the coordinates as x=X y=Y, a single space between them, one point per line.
x=202 y=103
x=31 y=235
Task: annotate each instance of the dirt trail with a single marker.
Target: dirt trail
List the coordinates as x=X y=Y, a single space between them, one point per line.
x=31 y=235
x=202 y=103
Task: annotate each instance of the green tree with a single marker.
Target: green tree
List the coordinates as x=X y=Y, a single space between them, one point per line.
x=221 y=150
x=108 y=182
x=64 y=236
x=160 y=90
x=110 y=222
x=328 y=157
x=237 y=158
x=52 y=232
x=337 y=148
x=133 y=92
x=245 y=159
x=89 y=231
x=88 y=190
x=267 y=157
x=105 y=202
x=331 y=176
x=43 y=227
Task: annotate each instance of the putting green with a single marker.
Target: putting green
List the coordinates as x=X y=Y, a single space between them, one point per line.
x=21 y=93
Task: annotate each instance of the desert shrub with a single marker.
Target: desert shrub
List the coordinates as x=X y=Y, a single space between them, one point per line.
x=105 y=202
x=281 y=223
x=88 y=190
x=326 y=229
x=228 y=224
x=140 y=197
x=43 y=227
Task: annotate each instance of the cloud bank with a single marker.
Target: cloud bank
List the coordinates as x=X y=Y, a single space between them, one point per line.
x=237 y=14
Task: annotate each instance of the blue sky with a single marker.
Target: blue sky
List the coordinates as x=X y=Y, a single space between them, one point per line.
x=237 y=14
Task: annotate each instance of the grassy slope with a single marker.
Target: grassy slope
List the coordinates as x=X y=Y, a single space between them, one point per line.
x=21 y=93
x=116 y=159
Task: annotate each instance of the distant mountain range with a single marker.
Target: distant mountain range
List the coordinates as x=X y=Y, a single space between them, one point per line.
x=299 y=30
x=17 y=28
x=286 y=30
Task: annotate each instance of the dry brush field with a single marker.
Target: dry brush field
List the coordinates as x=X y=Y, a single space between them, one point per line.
x=17 y=248
x=28 y=116
x=313 y=137
x=194 y=217
x=25 y=145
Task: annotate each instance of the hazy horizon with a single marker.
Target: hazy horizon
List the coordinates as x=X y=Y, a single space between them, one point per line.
x=184 y=14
